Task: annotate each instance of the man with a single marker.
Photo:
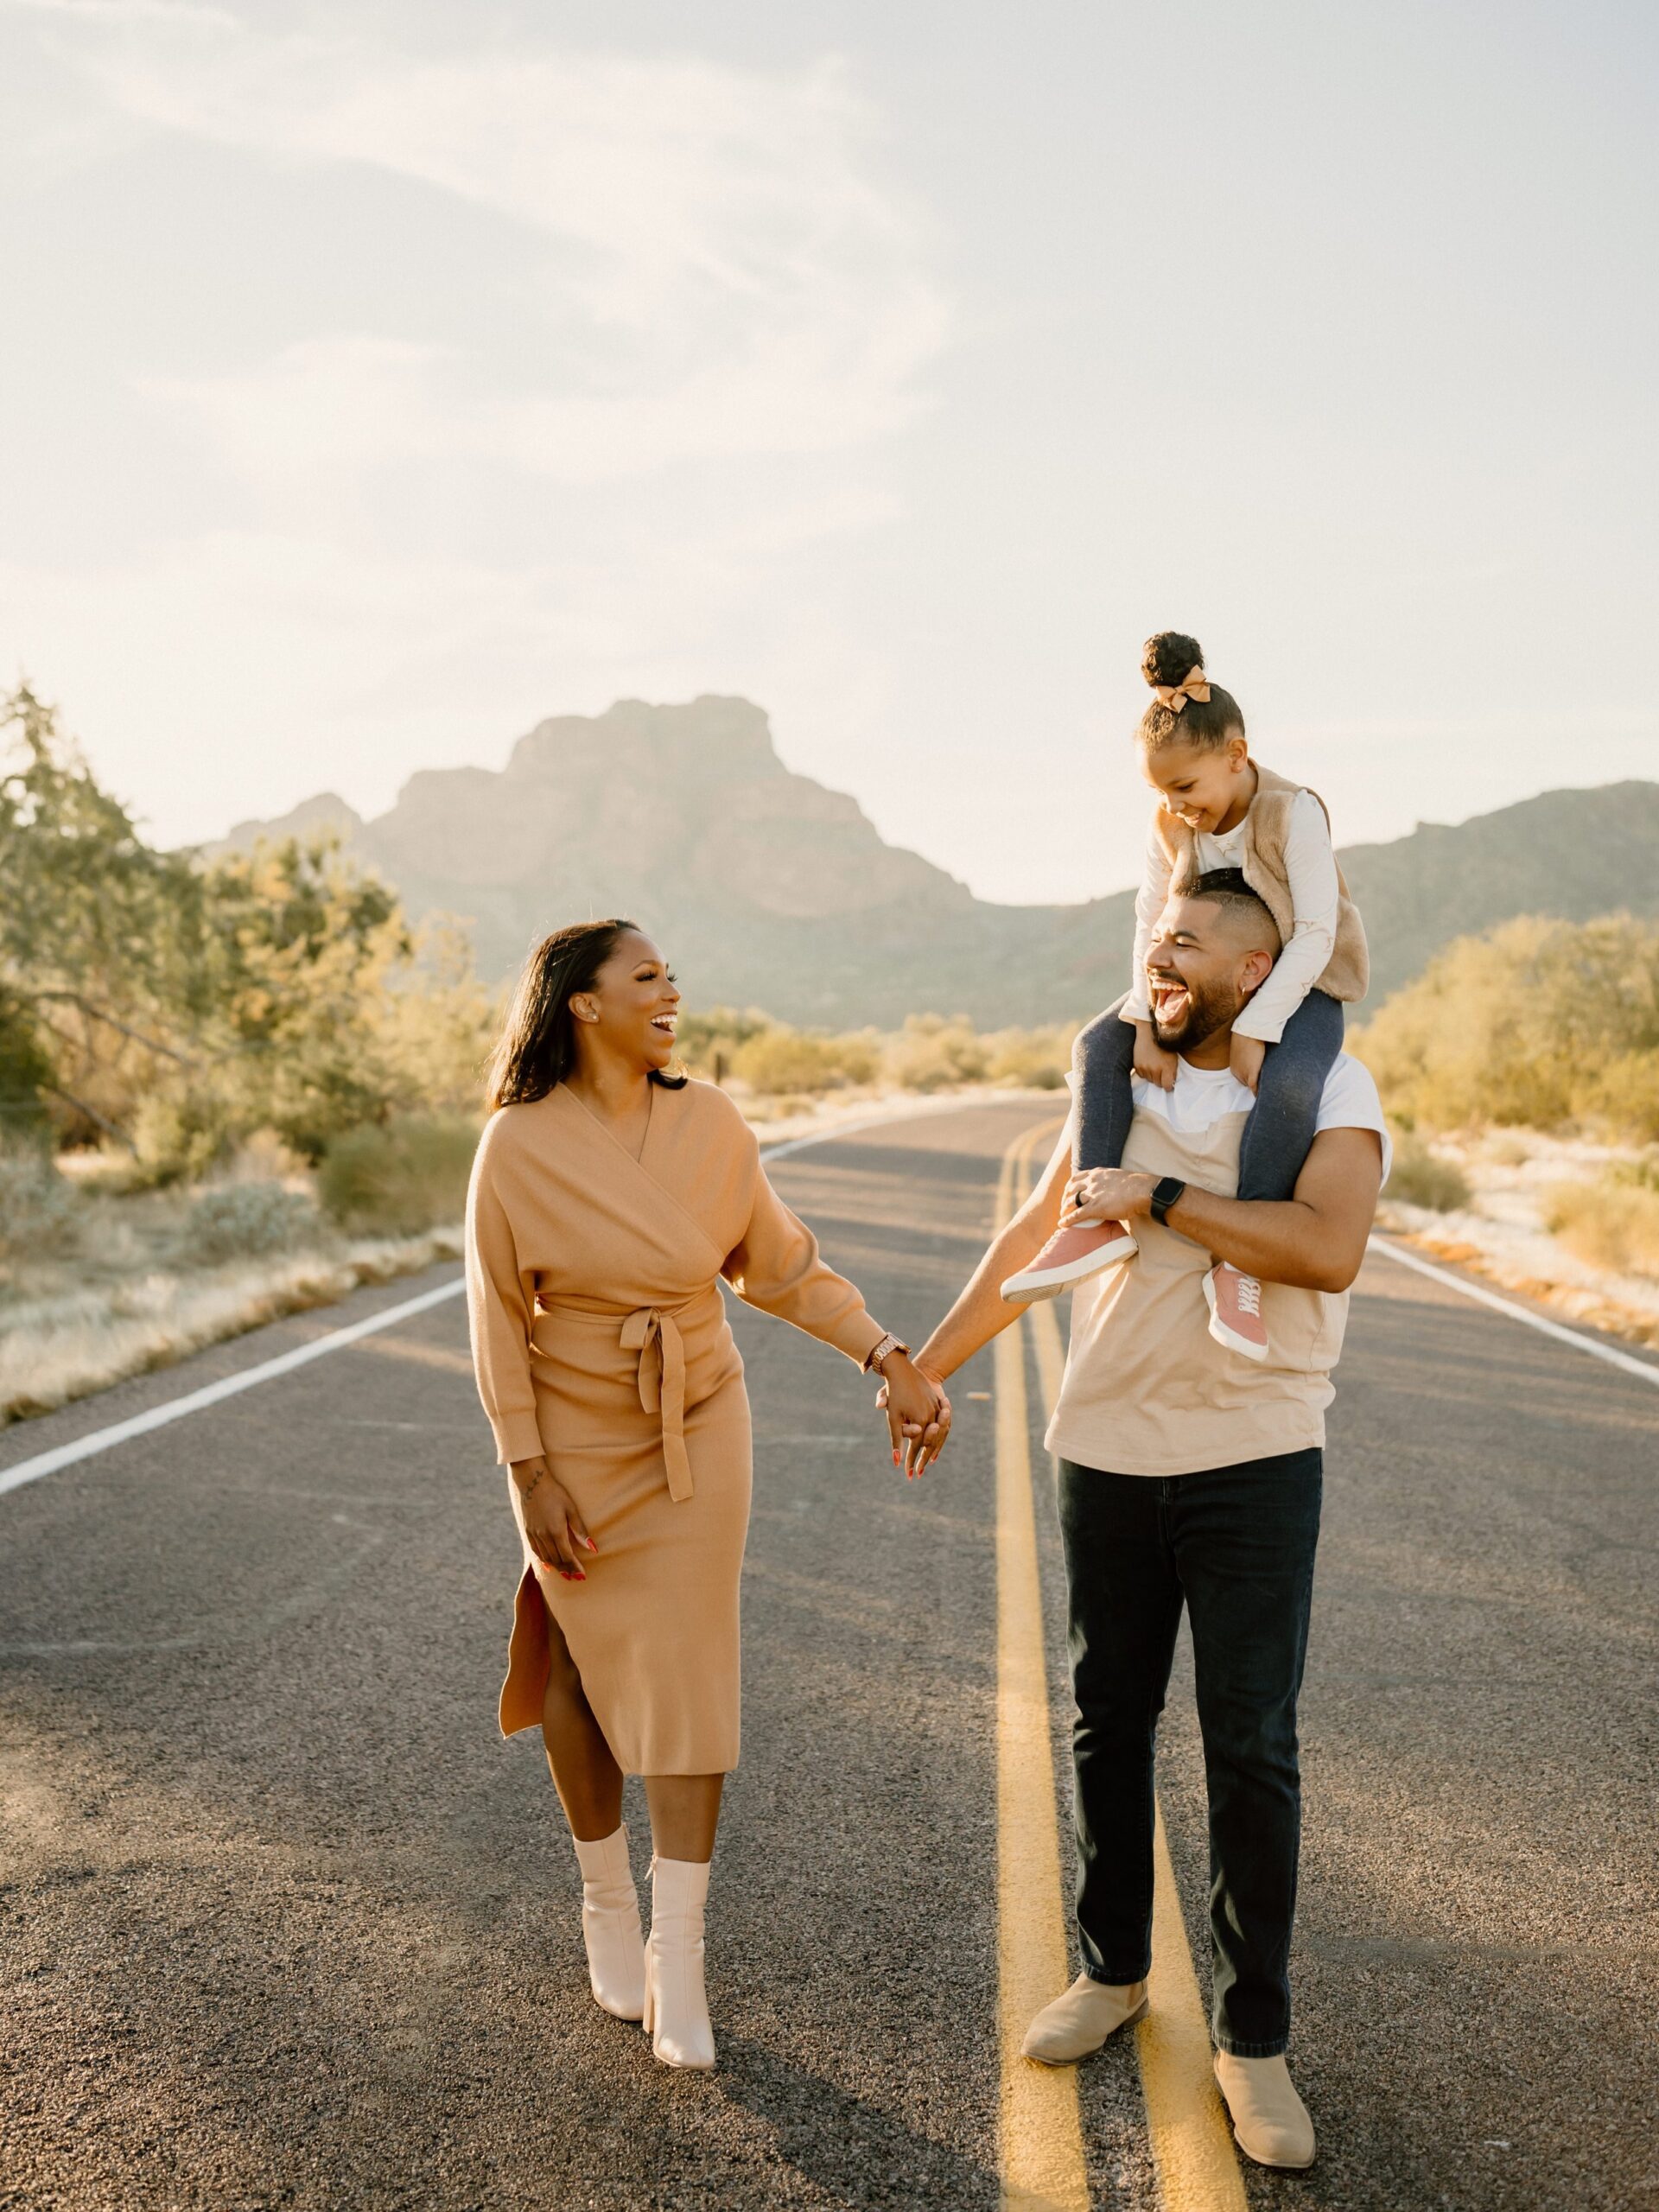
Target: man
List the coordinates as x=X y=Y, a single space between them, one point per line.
x=1188 y=1474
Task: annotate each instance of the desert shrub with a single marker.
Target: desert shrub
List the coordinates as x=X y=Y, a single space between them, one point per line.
x=436 y=1023
x=779 y=1059
x=1420 y=1177
x=25 y=1072
x=236 y=1221
x=262 y=1157
x=399 y=1178
x=1612 y=1223
x=932 y=1054
x=1509 y=1151
x=39 y=1217
x=176 y=1137
x=1622 y=1096
x=1039 y=1059
x=709 y=1041
x=1537 y=1024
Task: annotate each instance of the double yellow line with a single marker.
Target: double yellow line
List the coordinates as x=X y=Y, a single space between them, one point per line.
x=1044 y=2168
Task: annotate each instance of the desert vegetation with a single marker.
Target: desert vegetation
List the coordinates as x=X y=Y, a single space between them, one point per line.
x=234 y=1086
x=1538 y=1024
x=1521 y=1071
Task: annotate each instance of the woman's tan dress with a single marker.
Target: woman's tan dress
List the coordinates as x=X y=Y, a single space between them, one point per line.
x=599 y=1339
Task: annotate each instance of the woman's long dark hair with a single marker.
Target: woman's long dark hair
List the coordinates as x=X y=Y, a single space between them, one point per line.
x=537 y=1049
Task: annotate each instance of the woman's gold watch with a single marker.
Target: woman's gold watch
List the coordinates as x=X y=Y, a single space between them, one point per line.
x=878 y=1352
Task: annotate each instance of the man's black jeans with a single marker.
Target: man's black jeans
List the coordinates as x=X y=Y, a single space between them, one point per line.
x=1236 y=1545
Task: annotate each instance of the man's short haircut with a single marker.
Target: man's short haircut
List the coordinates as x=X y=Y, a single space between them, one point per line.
x=1226 y=887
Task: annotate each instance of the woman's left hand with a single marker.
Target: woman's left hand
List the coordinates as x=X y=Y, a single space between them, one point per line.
x=918 y=1413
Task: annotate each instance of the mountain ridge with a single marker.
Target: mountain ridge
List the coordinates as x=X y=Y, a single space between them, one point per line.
x=769 y=889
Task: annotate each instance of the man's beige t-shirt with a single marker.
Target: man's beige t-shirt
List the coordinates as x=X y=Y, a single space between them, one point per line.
x=1147 y=1390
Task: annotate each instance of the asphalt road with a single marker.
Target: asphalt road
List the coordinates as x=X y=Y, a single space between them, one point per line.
x=284 y=1923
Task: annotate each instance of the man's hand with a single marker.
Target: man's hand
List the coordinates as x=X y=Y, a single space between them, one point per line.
x=1106 y=1194
x=1245 y=1057
x=1152 y=1062
x=917 y=1411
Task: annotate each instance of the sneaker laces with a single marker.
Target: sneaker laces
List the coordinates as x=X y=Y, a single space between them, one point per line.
x=1249 y=1294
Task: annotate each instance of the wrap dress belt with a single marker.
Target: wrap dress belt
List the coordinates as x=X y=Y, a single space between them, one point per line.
x=662 y=1380
x=657 y=1323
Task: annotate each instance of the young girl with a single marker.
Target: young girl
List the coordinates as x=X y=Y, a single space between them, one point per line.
x=1218 y=808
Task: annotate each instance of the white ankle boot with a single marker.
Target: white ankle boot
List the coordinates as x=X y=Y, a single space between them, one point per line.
x=676 y=2009
x=610 y=1925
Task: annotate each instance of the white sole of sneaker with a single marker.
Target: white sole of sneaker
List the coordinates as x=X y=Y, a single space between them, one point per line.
x=1223 y=1335
x=1048 y=1282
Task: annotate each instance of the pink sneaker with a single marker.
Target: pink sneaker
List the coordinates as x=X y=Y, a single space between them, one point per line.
x=1070 y=1254
x=1235 y=1303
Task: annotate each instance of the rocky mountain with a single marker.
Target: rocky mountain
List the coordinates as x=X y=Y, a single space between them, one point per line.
x=769 y=890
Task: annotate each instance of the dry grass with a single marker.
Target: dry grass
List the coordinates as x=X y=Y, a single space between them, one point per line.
x=1613 y=1223
x=1422 y=1178
x=56 y=1348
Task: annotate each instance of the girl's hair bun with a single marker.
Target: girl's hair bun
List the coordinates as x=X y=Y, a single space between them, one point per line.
x=1170 y=658
x=1205 y=725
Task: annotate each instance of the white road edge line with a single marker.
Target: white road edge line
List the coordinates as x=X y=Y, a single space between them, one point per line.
x=212 y=1394
x=1626 y=1361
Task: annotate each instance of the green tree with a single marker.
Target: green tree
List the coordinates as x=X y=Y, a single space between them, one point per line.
x=100 y=935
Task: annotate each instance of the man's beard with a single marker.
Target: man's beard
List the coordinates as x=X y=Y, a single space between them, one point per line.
x=1207 y=1011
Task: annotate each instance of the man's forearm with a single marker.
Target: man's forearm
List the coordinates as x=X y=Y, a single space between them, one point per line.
x=1279 y=1241
x=980 y=1311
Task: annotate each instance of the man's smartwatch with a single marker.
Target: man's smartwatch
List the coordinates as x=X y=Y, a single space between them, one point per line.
x=1165 y=1194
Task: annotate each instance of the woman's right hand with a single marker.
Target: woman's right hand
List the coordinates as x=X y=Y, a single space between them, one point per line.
x=556 y=1533
x=1154 y=1062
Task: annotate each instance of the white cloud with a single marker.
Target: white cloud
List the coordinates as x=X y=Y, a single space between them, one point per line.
x=123 y=13
x=423 y=544
x=720 y=276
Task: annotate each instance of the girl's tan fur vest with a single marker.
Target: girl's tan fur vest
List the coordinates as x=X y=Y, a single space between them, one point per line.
x=1262 y=860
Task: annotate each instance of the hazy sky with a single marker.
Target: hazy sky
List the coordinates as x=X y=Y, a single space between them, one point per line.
x=382 y=376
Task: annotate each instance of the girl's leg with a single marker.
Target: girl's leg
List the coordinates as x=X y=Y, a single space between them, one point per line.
x=586 y=1776
x=1102 y=1060
x=1284 y=1118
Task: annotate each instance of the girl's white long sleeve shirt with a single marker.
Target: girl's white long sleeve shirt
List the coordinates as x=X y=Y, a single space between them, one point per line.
x=1311 y=866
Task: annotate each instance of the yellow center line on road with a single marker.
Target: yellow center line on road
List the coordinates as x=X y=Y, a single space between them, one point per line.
x=1191 y=2136
x=1043 y=2164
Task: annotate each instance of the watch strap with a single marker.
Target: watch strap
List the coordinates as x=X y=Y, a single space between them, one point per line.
x=879 y=1351
x=1167 y=1191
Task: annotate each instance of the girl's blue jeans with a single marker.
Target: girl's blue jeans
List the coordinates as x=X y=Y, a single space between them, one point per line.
x=1282 y=1124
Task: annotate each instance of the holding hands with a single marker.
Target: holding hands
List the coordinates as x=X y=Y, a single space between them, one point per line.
x=917 y=1411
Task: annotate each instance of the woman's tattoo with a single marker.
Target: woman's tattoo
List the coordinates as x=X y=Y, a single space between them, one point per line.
x=526 y=1489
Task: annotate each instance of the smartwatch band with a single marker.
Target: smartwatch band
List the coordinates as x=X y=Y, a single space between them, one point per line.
x=1165 y=1194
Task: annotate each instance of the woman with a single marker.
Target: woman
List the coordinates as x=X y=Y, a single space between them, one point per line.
x=607 y=1201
